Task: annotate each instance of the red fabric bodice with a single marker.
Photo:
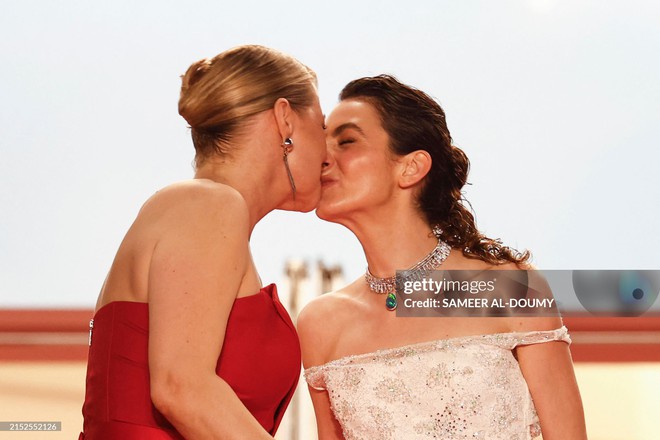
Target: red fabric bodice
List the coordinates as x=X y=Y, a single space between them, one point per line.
x=260 y=360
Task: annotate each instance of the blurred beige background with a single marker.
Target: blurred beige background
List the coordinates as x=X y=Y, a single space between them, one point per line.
x=620 y=399
x=43 y=365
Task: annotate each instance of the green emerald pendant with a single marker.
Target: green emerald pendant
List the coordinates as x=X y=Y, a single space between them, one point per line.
x=390 y=301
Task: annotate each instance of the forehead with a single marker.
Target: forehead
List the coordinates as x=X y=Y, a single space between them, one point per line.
x=354 y=111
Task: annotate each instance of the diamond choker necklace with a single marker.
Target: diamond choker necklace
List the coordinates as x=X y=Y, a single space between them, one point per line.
x=388 y=285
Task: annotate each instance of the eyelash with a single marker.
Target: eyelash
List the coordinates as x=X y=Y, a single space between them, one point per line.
x=346 y=141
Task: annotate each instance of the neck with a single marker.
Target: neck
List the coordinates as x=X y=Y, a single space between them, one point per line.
x=256 y=186
x=398 y=244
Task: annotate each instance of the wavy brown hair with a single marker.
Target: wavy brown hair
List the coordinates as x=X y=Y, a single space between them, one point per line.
x=415 y=121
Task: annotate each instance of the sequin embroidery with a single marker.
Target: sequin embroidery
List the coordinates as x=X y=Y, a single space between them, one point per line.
x=461 y=388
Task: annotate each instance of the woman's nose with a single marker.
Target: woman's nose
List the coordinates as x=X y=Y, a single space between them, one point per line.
x=329 y=158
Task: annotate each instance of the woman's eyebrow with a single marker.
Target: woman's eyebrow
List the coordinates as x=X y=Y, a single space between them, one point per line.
x=337 y=131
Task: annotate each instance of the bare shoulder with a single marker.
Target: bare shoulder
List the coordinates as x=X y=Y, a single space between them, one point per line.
x=329 y=303
x=324 y=312
x=195 y=202
x=320 y=322
x=524 y=273
x=332 y=306
x=187 y=193
x=539 y=289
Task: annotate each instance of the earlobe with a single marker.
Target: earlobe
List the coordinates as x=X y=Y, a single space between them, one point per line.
x=416 y=166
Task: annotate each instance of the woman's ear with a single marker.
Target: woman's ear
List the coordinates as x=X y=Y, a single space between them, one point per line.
x=416 y=166
x=283 y=113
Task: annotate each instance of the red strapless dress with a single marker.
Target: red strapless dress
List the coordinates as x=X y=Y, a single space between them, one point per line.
x=260 y=360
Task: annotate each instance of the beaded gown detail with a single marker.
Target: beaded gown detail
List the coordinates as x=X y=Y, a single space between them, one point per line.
x=460 y=388
x=260 y=360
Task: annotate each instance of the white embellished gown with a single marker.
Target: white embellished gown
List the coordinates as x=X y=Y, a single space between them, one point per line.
x=460 y=388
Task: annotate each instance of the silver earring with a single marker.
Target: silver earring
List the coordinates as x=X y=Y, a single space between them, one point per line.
x=287 y=146
x=437 y=231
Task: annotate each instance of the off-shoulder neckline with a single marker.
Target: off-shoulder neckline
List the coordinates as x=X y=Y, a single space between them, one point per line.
x=416 y=345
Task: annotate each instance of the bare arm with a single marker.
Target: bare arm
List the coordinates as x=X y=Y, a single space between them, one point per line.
x=548 y=371
x=328 y=427
x=314 y=353
x=195 y=273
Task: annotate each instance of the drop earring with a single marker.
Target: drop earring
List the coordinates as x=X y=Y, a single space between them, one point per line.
x=287 y=146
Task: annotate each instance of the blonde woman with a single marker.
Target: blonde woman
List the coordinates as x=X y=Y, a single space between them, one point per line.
x=185 y=341
x=394 y=179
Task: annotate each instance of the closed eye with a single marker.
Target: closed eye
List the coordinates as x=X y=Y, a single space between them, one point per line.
x=346 y=141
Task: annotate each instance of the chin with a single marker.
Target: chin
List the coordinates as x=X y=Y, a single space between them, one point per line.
x=303 y=204
x=304 y=208
x=324 y=213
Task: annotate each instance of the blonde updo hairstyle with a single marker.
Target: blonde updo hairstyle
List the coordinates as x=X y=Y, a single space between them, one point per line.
x=219 y=95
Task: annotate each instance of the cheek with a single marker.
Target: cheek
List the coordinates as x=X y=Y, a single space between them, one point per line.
x=365 y=177
x=315 y=152
x=313 y=142
x=309 y=157
x=361 y=167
